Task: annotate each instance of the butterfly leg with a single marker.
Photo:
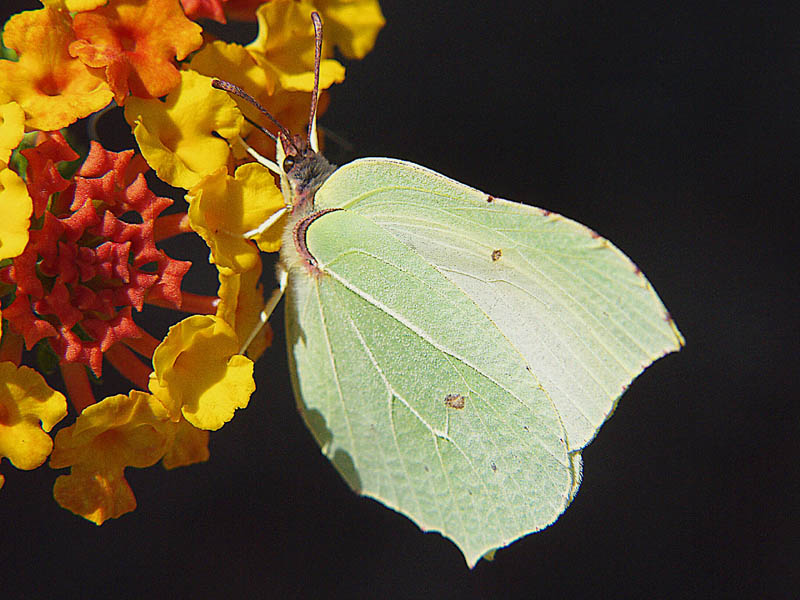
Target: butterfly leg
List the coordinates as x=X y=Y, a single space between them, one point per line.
x=262 y=160
x=254 y=233
x=275 y=297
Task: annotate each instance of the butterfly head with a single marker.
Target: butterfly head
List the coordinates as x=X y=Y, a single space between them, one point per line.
x=305 y=170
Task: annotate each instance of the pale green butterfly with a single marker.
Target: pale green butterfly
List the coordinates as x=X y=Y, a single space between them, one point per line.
x=452 y=352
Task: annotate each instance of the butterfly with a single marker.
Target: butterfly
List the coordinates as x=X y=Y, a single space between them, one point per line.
x=452 y=352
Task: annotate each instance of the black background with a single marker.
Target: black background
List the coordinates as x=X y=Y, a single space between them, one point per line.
x=671 y=130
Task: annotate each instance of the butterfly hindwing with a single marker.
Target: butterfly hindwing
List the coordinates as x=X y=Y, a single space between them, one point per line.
x=416 y=396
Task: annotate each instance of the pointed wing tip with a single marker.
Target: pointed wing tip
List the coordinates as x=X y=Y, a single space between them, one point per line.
x=678 y=336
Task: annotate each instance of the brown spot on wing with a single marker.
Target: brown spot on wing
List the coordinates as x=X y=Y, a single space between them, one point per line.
x=456 y=401
x=496 y=254
x=490 y=199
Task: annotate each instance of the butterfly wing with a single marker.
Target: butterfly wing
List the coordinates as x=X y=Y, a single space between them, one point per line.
x=416 y=396
x=582 y=315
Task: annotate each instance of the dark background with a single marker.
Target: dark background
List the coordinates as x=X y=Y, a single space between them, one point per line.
x=672 y=131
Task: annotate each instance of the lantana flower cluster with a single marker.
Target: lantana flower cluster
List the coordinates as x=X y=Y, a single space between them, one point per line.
x=80 y=226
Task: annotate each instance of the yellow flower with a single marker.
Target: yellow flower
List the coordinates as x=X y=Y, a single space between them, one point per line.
x=52 y=88
x=177 y=137
x=117 y=432
x=28 y=409
x=284 y=47
x=17 y=208
x=12 y=128
x=222 y=208
x=198 y=373
x=189 y=445
x=238 y=65
x=352 y=25
x=74 y=5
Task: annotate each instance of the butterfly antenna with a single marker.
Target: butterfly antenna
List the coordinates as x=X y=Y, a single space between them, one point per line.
x=263 y=130
x=227 y=86
x=315 y=18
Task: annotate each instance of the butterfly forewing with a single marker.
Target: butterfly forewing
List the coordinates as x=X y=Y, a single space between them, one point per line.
x=584 y=318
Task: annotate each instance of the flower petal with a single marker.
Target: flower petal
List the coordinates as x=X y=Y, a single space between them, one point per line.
x=74 y=5
x=12 y=129
x=28 y=409
x=198 y=373
x=261 y=80
x=177 y=137
x=239 y=67
x=95 y=495
x=352 y=25
x=42 y=175
x=17 y=208
x=189 y=446
x=285 y=45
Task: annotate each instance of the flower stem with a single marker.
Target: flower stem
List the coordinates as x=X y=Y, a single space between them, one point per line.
x=129 y=365
x=191 y=303
x=171 y=225
x=79 y=391
x=144 y=345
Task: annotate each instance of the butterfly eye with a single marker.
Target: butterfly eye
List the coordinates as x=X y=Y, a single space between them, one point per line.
x=288 y=163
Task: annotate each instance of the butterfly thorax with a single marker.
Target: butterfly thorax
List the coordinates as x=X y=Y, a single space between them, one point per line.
x=306 y=171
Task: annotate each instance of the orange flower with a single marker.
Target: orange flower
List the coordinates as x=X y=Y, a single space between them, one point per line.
x=84 y=268
x=52 y=88
x=78 y=240
x=136 y=42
